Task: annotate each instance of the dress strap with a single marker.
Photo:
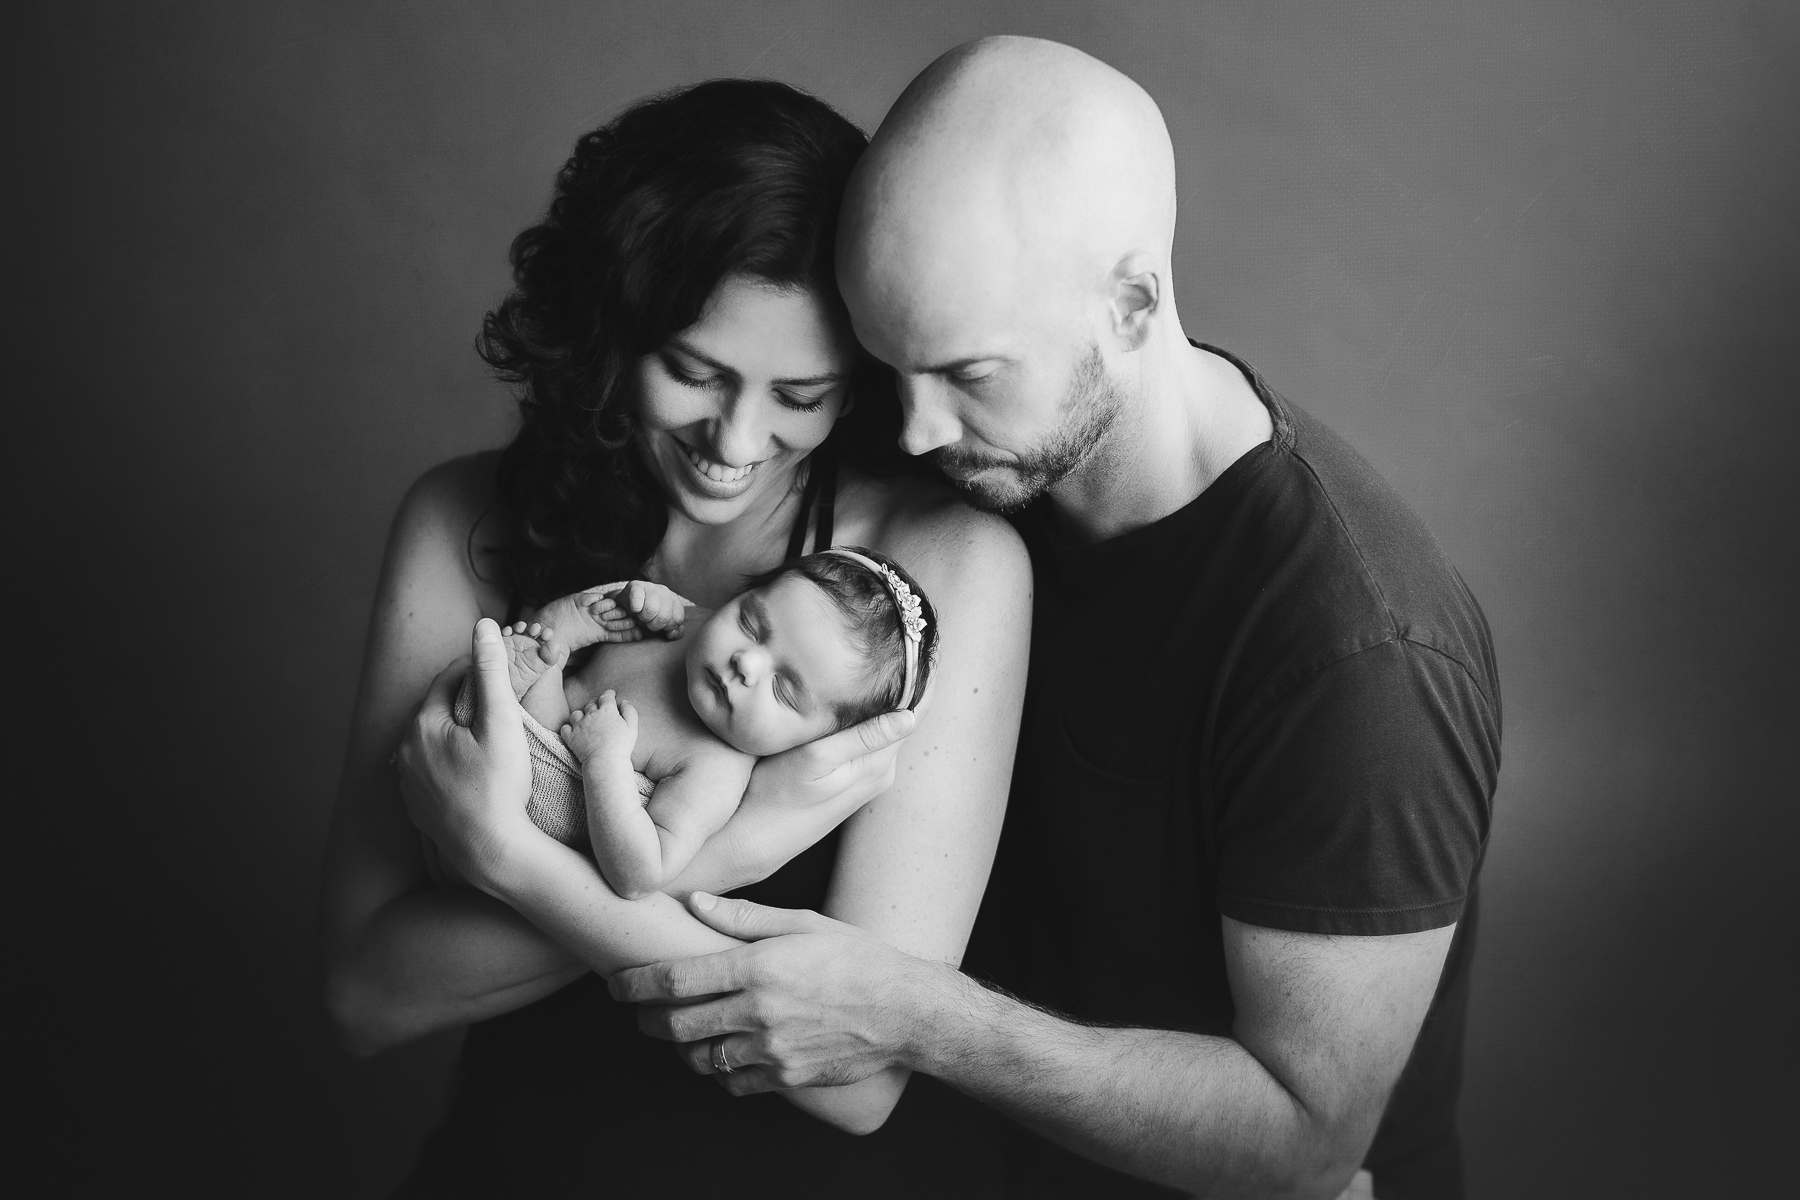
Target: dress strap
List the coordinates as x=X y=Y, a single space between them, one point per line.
x=821 y=489
x=827 y=504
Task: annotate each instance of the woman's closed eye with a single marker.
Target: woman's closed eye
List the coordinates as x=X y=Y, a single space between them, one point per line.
x=804 y=403
x=687 y=378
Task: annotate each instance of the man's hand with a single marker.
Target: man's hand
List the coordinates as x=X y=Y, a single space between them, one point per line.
x=467 y=788
x=810 y=1002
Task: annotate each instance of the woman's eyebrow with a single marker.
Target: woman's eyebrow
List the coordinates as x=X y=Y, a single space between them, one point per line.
x=829 y=377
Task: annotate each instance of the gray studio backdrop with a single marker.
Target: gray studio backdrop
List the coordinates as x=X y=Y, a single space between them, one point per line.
x=1536 y=260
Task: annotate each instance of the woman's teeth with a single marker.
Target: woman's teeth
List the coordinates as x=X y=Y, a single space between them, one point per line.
x=716 y=471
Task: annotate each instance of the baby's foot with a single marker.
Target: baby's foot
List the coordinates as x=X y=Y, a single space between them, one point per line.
x=591 y=616
x=657 y=608
x=534 y=663
x=625 y=611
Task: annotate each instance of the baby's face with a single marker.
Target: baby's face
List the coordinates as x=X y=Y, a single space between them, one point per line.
x=767 y=672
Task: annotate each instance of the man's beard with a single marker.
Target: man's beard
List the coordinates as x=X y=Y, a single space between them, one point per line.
x=1089 y=408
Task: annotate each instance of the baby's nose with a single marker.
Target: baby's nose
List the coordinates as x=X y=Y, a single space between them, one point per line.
x=751 y=664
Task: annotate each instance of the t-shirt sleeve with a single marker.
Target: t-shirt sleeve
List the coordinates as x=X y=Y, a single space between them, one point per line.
x=1358 y=801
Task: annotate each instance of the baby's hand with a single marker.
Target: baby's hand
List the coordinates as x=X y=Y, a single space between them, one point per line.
x=604 y=727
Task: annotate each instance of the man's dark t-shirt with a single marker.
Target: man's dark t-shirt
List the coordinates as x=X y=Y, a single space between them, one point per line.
x=1277 y=704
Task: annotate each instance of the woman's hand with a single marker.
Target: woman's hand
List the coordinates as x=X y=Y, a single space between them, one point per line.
x=467 y=788
x=841 y=772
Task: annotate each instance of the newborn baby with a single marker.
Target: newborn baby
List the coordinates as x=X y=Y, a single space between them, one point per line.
x=816 y=645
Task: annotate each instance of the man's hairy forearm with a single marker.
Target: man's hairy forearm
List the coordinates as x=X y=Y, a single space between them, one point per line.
x=1194 y=1112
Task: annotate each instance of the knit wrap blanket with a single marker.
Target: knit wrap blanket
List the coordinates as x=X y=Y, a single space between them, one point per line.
x=558 y=806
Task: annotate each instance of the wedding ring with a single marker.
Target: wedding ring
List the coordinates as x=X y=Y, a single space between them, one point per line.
x=721 y=1064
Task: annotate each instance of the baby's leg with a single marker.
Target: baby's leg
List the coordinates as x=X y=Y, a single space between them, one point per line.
x=534 y=661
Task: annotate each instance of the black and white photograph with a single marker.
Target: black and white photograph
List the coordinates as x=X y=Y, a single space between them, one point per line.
x=905 y=598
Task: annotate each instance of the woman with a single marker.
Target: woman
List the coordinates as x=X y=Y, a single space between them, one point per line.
x=694 y=409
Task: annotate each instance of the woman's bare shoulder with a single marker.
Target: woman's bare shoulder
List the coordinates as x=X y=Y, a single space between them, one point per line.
x=927 y=524
x=449 y=522
x=452 y=496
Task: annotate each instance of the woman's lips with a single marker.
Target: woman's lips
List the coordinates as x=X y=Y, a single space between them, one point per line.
x=715 y=478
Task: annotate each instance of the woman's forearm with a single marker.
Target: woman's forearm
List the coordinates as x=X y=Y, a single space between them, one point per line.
x=753 y=846
x=860 y=1107
x=434 y=959
x=560 y=891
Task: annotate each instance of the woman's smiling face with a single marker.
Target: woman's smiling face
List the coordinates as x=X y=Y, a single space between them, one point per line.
x=729 y=407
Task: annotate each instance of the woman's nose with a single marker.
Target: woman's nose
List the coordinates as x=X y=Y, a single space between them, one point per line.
x=740 y=435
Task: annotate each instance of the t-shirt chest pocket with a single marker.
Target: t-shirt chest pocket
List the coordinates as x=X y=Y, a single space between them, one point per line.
x=1116 y=824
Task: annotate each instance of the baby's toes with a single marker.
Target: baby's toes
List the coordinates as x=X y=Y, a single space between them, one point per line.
x=551 y=649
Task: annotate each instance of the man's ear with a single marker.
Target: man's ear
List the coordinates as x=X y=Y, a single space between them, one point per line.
x=1136 y=293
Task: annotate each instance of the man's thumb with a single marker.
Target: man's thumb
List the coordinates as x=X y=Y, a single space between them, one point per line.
x=492 y=683
x=748 y=920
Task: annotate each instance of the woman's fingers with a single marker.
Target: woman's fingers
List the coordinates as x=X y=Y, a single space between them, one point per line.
x=873 y=736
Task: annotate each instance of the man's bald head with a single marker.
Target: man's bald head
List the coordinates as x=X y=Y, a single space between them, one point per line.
x=1025 y=157
x=1015 y=197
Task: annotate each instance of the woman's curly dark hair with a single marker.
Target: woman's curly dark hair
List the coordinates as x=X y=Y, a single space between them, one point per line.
x=651 y=212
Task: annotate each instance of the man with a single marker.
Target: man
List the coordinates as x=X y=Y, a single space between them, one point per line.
x=1262 y=729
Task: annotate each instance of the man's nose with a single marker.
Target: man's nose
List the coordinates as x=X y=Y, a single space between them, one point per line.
x=929 y=421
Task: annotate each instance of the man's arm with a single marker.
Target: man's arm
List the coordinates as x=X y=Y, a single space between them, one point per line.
x=1287 y=1106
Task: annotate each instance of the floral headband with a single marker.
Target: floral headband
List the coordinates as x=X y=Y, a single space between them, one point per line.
x=912 y=616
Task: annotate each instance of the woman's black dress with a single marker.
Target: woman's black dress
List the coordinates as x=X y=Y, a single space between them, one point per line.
x=566 y=1098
